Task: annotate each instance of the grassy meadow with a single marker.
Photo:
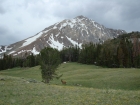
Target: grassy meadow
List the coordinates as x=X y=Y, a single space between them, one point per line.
x=86 y=85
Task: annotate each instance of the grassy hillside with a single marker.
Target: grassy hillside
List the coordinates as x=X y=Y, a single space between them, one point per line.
x=97 y=77
x=86 y=76
x=86 y=85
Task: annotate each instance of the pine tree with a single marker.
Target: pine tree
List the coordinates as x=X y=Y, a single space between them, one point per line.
x=49 y=61
x=120 y=55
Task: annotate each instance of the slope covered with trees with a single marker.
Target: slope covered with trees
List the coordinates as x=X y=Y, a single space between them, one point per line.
x=123 y=51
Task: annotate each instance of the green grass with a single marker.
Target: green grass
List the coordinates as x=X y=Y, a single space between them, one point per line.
x=34 y=72
x=86 y=85
x=97 y=77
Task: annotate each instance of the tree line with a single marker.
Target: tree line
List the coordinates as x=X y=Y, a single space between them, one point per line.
x=8 y=62
x=120 y=52
x=123 y=51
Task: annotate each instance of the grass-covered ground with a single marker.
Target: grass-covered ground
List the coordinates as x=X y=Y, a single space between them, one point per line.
x=86 y=85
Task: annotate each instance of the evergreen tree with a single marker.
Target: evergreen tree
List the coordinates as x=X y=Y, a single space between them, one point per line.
x=70 y=54
x=136 y=51
x=124 y=53
x=49 y=61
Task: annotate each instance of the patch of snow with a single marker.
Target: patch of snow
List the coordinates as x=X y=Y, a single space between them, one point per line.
x=71 y=25
x=47 y=31
x=87 y=32
x=56 y=24
x=72 y=41
x=63 y=25
x=57 y=34
x=82 y=24
x=103 y=32
x=14 y=54
x=55 y=44
x=30 y=40
x=73 y=21
x=96 y=25
x=21 y=51
x=9 y=48
x=93 y=21
x=11 y=52
x=82 y=32
x=1 y=57
x=82 y=19
x=1 y=52
x=5 y=49
x=54 y=27
x=34 y=51
x=80 y=45
x=46 y=35
x=79 y=20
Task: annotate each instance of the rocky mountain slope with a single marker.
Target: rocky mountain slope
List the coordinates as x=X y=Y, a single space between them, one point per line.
x=66 y=33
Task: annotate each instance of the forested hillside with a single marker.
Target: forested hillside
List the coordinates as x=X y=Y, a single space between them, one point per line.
x=123 y=51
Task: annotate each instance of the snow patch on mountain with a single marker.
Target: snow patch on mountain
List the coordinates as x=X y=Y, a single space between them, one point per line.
x=9 y=48
x=63 y=25
x=73 y=21
x=11 y=52
x=57 y=34
x=54 y=27
x=32 y=39
x=34 y=51
x=14 y=54
x=47 y=31
x=3 y=50
x=72 y=41
x=55 y=44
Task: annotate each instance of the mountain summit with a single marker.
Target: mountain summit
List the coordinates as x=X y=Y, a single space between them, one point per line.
x=66 y=33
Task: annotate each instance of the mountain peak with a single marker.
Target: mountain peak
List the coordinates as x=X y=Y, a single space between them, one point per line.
x=80 y=16
x=77 y=31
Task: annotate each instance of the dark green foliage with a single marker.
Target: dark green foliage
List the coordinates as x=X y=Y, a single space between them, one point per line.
x=8 y=61
x=123 y=51
x=88 y=53
x=136 y=52
x=49 y=61
x=70 y=54
x=130 y=35
x=30 y=61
